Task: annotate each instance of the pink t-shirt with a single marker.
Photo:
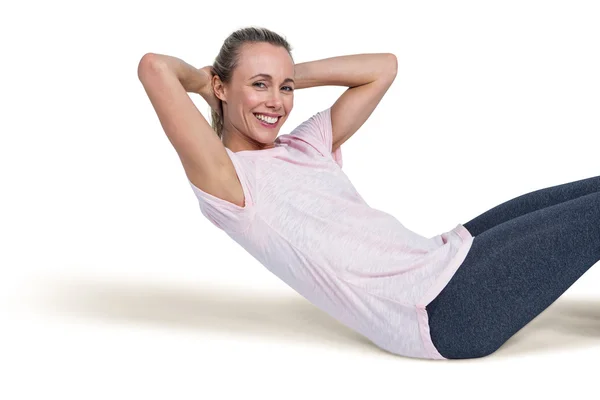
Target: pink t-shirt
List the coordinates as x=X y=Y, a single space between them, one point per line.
x=306 y=223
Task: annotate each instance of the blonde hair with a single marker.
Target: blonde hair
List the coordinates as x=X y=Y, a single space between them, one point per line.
x=228 y=59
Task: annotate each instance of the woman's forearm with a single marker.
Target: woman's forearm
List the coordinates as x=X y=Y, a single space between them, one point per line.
x=192 y=79
x=349 y=70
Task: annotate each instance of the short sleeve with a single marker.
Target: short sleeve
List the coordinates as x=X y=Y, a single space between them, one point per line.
x=223 y=214
x=317 y=132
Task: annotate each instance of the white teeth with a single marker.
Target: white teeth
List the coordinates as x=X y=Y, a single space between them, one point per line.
x=270 y=120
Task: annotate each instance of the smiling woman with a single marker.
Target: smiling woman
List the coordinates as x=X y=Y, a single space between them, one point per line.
x=286 y=200
x=253 y=75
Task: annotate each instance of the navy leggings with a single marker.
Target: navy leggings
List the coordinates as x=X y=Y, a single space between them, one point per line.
x=525 y=254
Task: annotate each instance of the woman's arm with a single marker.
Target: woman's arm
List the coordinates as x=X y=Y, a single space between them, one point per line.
x=368 y=77
x=350 y=70
x=193 y=80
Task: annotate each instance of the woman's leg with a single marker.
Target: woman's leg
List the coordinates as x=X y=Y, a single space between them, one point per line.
x=529 y=202
x=513 y=272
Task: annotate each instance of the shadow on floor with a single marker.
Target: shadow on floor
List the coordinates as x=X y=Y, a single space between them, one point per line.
x=567 y=323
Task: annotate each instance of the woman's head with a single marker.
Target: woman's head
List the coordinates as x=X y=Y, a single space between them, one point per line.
x=244 y=54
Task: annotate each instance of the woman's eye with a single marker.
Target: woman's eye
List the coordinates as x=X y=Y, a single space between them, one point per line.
x=290 y=89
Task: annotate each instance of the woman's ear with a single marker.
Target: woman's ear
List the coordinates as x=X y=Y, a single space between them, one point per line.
x=218 y=88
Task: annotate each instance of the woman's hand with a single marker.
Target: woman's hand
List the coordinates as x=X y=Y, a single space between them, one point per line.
x=207 y=91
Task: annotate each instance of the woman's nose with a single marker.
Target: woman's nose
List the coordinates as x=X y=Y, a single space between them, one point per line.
x=275 y=100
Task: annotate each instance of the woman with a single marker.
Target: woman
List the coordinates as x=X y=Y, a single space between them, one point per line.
x=460 y=294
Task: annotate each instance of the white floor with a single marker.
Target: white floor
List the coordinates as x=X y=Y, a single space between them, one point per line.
x=98 y=335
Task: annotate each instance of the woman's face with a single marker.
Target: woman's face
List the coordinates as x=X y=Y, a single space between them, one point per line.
x=249 y=94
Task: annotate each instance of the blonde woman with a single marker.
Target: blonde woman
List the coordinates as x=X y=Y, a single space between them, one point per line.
x=285 y=199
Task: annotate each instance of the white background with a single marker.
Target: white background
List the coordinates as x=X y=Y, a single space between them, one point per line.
x=114 y=286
